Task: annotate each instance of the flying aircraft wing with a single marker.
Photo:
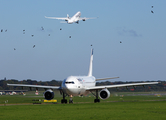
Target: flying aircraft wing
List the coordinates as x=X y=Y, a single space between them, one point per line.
x=35 y=86
x=84 y=18
x=121 y=85
x=98 y=79
x=59 y=18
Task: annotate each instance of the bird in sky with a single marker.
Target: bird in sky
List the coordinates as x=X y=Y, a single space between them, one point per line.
x=42 y=28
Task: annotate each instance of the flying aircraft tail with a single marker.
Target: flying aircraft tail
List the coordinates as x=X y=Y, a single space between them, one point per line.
x=91 y=62
x=67 y=15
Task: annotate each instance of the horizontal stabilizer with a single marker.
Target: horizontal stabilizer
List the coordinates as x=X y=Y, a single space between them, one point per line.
x=106 y=78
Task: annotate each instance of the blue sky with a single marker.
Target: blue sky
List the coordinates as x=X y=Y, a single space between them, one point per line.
x=140 y=57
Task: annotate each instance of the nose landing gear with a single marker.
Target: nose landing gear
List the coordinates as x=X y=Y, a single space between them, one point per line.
x=64 y=100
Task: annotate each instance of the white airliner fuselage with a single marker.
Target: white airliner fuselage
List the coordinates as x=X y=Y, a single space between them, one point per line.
x=81 y=85
x=74 y=19
x=76 y=85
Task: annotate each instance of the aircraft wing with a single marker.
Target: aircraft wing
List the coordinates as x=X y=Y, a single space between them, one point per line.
x=106 y=78
x=35 y=86
x=59 y=18
x=121 y=85
x=84 y=18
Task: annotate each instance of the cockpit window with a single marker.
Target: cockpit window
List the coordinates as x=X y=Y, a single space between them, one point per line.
x=71 y=82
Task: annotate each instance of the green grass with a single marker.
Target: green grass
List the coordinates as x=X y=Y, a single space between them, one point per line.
x=127 y=96
x=115 y=108
x=105 y=111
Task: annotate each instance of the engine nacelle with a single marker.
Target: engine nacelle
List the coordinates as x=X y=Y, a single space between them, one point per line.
x=48 y=94
x=83 y=19
x=104 y=94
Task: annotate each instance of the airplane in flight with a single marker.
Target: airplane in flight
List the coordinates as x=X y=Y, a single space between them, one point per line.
x=81 y=85
x=71 y=20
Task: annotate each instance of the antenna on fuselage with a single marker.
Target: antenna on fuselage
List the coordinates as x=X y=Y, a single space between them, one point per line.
x=91 y=62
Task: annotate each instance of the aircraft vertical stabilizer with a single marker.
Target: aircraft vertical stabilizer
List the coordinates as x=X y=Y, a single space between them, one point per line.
x=67 y=15
x=91 y=62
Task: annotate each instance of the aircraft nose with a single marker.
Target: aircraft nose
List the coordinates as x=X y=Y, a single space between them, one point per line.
x=66 y=85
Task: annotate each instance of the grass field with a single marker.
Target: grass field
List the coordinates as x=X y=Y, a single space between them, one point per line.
x=118 y=106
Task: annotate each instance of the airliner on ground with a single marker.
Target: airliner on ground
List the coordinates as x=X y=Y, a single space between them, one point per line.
x=81 y=85
x=71 y=20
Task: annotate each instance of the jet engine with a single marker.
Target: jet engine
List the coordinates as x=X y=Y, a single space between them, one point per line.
x=104 y=94
x=48 y=94
x=83 y=19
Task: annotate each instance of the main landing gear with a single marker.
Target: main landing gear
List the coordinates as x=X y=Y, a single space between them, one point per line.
x=97 y=100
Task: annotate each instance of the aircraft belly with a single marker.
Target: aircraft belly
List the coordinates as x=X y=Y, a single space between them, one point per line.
x=76 y=91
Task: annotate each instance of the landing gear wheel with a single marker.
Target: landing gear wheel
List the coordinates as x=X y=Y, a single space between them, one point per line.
x=66 y=101
x=63 y=101
x=96 y=100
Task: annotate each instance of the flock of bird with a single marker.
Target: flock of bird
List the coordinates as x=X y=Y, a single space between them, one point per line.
x=42 y=28
x=2 y=30
x=152 y=10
